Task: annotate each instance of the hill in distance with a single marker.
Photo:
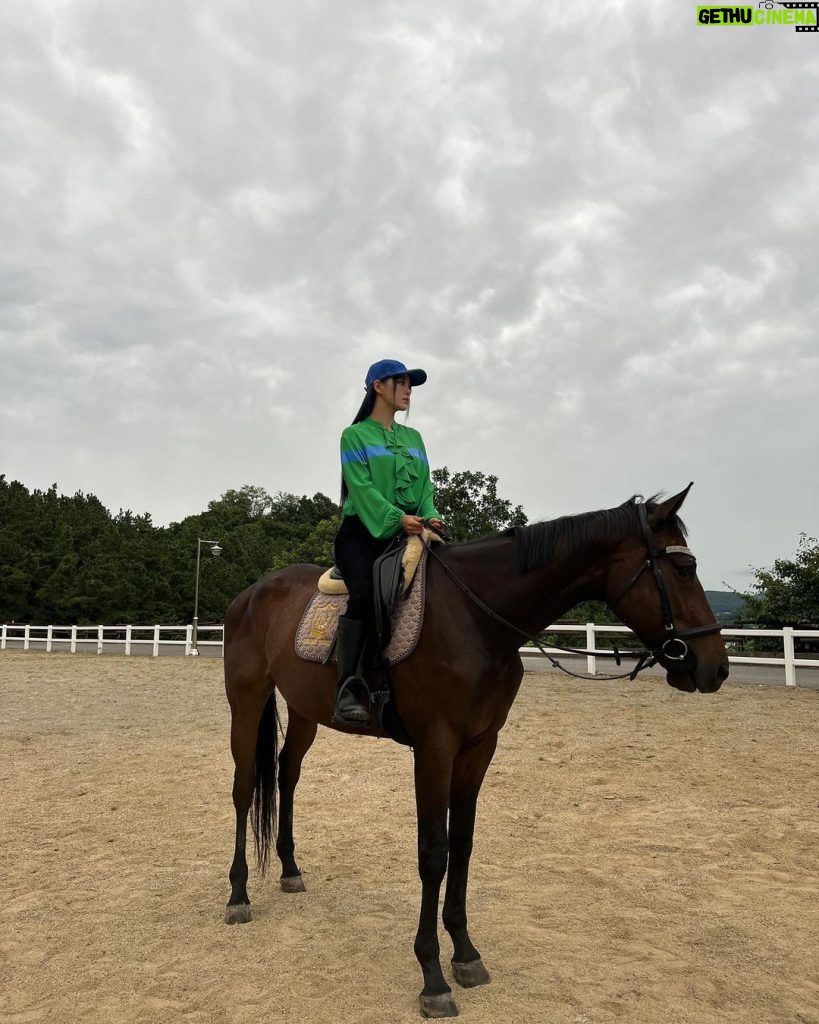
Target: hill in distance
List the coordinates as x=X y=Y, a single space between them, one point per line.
x=727 y=605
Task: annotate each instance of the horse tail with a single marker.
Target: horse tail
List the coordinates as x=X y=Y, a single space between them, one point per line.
x=263 y=809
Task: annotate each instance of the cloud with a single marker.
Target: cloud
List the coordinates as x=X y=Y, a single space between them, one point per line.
x=595 y=226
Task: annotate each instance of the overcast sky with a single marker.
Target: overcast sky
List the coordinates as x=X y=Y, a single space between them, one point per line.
x=595 y=225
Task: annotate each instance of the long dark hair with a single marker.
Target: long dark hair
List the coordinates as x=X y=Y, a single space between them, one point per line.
x=367 y=405
x=363 y=413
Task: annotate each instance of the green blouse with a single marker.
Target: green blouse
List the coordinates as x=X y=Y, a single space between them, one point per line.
x=387 y=476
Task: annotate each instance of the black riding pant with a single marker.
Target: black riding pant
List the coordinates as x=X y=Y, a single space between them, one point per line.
x=355 y=552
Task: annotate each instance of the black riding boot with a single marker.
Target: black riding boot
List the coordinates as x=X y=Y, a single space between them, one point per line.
x=353 y=697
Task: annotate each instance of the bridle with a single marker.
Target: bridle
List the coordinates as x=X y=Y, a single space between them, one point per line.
x=681 y=654
x=673 y=647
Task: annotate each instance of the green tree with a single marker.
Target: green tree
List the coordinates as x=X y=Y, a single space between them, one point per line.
x=788 y=593
x=315 y=549
x=258 y=532
x=469 y=504
x=591 y=611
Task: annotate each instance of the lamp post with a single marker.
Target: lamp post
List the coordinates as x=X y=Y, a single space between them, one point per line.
x=215 y=550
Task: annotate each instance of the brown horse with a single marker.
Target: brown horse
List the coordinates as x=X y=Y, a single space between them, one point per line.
x=454 y=692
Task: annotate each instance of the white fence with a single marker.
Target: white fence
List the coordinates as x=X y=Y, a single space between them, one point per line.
x=108 y=639
x=179 y=639
x=789 y=662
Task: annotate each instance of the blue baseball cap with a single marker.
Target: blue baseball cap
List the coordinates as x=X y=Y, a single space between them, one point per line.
x=393 y=368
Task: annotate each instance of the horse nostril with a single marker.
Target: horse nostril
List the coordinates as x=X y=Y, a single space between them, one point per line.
x=722 y=672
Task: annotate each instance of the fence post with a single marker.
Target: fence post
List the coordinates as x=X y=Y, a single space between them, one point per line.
x=73 y=639
x=128 y=639
x=3 y=636
x=156 y=642
x=49 y=638
x=100 y=635
x=790 y=659
x=188 y=639
x=591 y=661
x=27 y=638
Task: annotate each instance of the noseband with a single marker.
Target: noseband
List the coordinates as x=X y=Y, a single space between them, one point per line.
x=673 y=647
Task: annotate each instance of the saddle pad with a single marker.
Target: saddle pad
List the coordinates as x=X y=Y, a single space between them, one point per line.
x=319 y=623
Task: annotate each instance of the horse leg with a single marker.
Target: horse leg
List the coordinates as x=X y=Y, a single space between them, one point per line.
x=468 y=774
x=297 y=741
x=433 y=773
x=246 y=714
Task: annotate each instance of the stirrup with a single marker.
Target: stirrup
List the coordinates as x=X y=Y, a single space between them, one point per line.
x=360 y=711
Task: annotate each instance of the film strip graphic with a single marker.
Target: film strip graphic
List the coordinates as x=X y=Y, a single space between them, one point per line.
x=813 y=5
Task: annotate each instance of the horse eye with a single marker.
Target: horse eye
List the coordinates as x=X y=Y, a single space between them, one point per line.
x=687 y=569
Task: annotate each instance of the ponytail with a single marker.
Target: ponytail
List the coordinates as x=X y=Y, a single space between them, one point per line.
x=367 y=405
x=363 y=413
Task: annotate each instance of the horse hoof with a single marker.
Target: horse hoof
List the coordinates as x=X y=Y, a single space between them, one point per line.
x=438 y=1006
x=238 y=913
x=470 y=975
x=293 y=883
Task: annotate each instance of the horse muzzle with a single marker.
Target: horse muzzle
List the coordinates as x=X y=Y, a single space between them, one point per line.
x=684 y=671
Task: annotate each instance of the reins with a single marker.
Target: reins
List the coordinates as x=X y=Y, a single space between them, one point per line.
x=645 y=658
x=473 y=597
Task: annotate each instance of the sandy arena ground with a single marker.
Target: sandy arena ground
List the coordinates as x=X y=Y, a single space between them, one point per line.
x=641 y=855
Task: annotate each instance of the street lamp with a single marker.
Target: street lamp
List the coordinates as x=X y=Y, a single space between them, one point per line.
x=215 y=550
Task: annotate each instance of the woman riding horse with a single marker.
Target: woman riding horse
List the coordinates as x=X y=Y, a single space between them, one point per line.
x=385 y=490
x=455 y=691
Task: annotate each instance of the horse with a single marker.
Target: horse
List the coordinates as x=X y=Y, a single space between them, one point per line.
x=455 y=690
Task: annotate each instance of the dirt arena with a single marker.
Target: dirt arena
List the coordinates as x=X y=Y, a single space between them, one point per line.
x=641 y=855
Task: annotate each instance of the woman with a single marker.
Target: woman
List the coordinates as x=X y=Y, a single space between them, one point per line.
x=385 y=491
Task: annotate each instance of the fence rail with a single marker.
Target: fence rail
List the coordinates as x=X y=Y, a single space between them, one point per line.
x=100 y=638
x=128 y=637
x=789 y=662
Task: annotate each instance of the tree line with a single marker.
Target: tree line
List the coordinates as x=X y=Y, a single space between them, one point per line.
x=67 y=559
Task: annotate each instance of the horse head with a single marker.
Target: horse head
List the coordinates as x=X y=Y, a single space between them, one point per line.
x=652 y=586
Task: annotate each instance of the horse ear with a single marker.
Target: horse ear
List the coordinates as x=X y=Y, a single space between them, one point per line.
x=671 y=506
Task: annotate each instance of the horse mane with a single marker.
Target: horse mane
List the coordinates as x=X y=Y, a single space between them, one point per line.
x=536 y=544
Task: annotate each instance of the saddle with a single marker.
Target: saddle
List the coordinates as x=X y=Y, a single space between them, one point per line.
x=399 y=576
x=332 y=582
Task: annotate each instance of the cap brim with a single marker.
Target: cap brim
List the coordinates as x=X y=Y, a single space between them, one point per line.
x=417 y=377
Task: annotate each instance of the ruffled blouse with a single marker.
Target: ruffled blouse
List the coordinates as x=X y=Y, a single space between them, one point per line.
x=387 y=476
